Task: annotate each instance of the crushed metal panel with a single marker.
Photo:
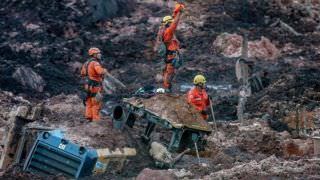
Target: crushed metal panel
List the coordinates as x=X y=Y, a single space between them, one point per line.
x=242 y=70
x=316 y=145
x=172 y=108
x=109 y=160
x=300 y=119
x=2 y=138
x=52 y=155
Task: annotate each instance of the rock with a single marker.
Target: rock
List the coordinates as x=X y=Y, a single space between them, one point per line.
x=230 y=45
x=182 y=173
x=297 y=147
x=149 y=174
x=158 y=78
x=277 y=125
x=263 y=49
x=300 y=119
x=27 y=112
x=103 y=9
x=269 y=167
x=22 y=112
x=27 y=77
x=160 y=153
x=154 y=21
x=31 y=26
x=75 y=66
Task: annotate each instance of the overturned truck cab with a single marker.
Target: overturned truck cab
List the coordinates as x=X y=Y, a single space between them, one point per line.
x=171 y=112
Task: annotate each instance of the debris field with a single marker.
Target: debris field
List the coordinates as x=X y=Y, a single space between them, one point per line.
x=44 y=43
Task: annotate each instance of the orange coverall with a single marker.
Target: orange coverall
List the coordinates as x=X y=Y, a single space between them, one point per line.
x=95 y=75
x=199 y=99
x=172 y=45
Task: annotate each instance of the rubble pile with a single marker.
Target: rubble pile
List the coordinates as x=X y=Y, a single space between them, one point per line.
x=290 y=93
x=171 y=107
x=43 y=45
x=257 y=137
x=44 y=38
x=230 y=45
x=270 y=167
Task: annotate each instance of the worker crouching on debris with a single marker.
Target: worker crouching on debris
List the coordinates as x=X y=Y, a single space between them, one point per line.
x=92 y=73
x=198 y=97
x=169 y=48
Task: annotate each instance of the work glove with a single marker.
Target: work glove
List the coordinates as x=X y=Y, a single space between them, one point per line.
x=178 y=8
x=181 y=7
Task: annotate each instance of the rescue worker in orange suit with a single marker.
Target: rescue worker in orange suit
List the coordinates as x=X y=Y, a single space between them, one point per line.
x=198 y=96
x=172 y=45
x=93 y=72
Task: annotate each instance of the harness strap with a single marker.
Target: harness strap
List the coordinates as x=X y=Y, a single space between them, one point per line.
x=91 y=83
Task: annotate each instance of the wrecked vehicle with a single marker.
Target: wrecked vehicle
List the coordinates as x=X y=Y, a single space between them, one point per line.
x=51 y=154
x=45 y=151
x=171 y=112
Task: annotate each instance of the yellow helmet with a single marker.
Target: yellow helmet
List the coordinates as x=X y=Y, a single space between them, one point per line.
x=199 y=79
x=167 y=19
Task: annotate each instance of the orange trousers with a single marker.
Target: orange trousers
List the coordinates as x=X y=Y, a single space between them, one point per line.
x=168 y=74
x=93 y=109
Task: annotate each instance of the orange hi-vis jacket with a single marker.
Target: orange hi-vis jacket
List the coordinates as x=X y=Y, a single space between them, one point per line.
x=95 y=74
x=198 y=98
x=169 y=38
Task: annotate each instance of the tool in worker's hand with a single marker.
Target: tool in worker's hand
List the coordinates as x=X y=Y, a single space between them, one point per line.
x=108 y=75
x=112 y=85
x=197 y=151
x=179 y=157
x=195 y=140
x=213 y=117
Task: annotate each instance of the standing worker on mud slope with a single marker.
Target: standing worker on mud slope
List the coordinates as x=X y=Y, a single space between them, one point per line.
x=92 y=72
x=171 y=45
x=198 y=97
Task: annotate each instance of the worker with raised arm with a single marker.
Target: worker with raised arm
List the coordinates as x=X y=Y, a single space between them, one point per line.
x=172 y=45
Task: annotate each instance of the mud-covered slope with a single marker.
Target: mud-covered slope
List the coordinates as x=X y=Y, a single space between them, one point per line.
x=50 y=37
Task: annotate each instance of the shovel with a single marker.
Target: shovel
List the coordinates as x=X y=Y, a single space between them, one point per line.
x=213 y=117
x=112 y=84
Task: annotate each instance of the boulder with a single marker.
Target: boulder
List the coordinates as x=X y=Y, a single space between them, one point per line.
x=27 y=77
x=149 y=174
x=230 y=45
x=103 y=9
x=297 y=147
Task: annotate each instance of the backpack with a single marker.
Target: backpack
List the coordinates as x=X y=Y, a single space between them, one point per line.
x=177 y=62
x=160 y=46
x=161 y=49
x=85 y=79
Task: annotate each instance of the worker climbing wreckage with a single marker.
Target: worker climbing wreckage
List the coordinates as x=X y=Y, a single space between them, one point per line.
x=168 y=45
x=92 y=74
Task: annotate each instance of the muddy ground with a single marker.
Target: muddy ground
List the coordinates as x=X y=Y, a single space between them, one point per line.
x=53 y=39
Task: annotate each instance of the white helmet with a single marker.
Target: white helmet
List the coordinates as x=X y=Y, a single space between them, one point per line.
x=160 y=90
